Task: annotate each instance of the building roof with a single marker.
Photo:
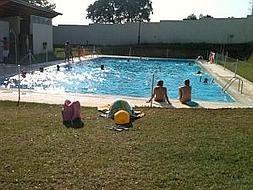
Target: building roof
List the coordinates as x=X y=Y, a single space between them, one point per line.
x=10 y=8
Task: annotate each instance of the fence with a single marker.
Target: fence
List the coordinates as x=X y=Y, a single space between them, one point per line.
x=227 y=62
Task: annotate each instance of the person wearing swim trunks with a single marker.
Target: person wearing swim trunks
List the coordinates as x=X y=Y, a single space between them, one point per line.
x=160 y=93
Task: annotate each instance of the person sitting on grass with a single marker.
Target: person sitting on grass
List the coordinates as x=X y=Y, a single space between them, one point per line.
x=160 y=93
x=71 y=114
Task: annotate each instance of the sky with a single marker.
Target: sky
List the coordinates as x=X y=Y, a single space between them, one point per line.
x=74 y=11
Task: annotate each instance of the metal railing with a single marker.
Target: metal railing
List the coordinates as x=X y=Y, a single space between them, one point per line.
x=198 y=58
x=231 y=81
x=225 y=60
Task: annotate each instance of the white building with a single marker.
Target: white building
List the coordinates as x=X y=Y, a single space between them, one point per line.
x=27 y=27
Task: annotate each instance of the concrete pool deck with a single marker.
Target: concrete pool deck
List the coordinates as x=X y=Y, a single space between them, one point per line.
x=223 y=76
x=220 y=74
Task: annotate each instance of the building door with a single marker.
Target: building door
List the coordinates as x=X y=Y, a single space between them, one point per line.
x=25 y=42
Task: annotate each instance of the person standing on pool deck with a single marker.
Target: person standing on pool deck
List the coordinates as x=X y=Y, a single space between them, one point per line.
x=185 y=92
x=6 y=47
x=68 y=52
x=160 y=93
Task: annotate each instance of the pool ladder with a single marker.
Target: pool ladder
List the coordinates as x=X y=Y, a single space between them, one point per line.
x=198 y=58
x=231 y=81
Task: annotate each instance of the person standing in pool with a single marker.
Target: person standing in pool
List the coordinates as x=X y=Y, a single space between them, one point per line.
x=185 y=92
x=160 y=93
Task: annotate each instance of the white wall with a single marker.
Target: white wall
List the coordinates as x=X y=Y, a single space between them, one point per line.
x=4 y=32
x=4 y=29
x=96 y=34
x=42 y=33
x=72 y=33
x=206 y=30
x=116 y=34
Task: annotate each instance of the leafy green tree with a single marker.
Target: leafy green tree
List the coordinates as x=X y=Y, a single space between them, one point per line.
x=191 y=17
x=201 y=16
x=41 y=3
x=119 y=11
x=206 y=16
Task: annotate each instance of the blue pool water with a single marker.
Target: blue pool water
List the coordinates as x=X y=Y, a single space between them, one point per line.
x=123 y=77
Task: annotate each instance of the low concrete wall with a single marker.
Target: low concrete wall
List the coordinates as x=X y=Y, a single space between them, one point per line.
x=206 y=30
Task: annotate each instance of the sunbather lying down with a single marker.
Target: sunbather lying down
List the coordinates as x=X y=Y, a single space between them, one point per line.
x=121 y=112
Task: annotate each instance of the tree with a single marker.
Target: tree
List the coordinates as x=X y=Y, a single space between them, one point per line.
x=202 y=16
x=119 y=11
x=41 y=3
x=191 y=17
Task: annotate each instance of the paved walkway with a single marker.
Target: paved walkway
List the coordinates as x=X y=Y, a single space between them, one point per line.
x=219 y=74
x=223 y=76
x=10 y=69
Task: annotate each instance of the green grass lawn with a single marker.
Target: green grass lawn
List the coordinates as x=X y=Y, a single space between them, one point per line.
x=245 y=69
x=167 y=149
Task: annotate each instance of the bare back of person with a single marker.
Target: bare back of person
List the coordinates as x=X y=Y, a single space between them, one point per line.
x=185 y=94
x=160 y=94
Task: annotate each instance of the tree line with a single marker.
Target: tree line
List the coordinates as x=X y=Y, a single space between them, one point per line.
x=116 y=11
x=41 y=3
x=111 y=11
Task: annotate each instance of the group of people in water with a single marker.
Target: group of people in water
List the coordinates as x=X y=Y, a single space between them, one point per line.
x=160 y=93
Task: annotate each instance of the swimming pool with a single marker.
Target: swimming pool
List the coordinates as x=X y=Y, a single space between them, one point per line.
x=124 y=77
